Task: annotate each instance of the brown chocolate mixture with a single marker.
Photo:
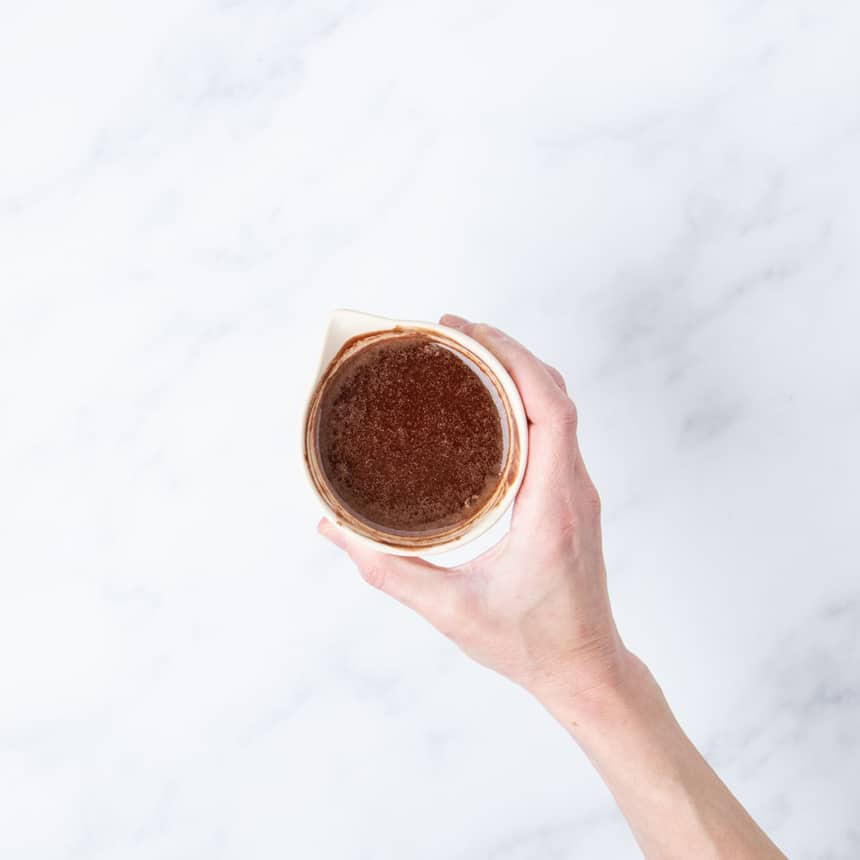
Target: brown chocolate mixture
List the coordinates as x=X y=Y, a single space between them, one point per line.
x=409 y=435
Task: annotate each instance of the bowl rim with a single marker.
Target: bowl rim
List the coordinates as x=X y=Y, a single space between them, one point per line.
x=358 y=324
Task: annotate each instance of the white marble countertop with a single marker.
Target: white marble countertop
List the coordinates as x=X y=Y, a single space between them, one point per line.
x=661 y=198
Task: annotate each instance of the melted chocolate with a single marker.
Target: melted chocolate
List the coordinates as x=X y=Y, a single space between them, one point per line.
x=409 y=435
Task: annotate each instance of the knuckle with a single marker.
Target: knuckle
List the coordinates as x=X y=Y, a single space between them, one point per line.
x=374 y=574
x=591 y=500
x=457 y=615
x=556 y=374
x=564 y=414
x=587 y=496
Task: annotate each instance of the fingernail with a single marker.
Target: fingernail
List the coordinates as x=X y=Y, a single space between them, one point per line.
x=330 y=532
x=453 y=320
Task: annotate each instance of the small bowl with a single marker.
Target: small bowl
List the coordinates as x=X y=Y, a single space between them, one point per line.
x=347 y=331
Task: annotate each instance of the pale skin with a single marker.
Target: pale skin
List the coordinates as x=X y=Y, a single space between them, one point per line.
x=535 y=607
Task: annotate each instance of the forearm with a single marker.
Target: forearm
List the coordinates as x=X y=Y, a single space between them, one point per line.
x=677 y=807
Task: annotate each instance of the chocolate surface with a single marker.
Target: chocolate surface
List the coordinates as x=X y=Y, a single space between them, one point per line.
x=409 y=435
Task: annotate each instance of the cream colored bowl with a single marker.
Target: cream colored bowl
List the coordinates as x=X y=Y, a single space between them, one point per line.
x=351 y=330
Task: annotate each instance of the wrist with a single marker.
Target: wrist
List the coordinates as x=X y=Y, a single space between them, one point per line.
x=674 y=802
x=624 y=687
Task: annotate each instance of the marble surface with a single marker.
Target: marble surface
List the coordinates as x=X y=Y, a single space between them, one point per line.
x=661 y=198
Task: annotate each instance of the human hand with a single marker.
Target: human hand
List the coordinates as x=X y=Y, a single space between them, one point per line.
x=535 y=606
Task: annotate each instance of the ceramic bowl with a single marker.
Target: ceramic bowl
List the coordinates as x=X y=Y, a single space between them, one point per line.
x=347 y=332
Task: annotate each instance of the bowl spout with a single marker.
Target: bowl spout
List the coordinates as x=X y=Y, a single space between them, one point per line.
x=344 y=324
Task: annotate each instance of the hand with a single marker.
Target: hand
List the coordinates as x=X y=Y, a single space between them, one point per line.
x=535 y=606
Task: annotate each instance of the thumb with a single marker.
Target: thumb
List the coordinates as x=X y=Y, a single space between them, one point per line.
x=432 y=591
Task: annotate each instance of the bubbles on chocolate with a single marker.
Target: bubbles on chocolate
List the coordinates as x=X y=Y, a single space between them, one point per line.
x=409 y=435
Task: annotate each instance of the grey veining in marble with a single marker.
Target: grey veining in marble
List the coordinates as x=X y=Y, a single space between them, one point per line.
x=662 y=199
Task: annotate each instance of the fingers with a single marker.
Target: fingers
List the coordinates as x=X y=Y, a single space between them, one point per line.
x=429 y=590
x=556 y=376
x=553 y=448
x=454 y=321
x=541 y=387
